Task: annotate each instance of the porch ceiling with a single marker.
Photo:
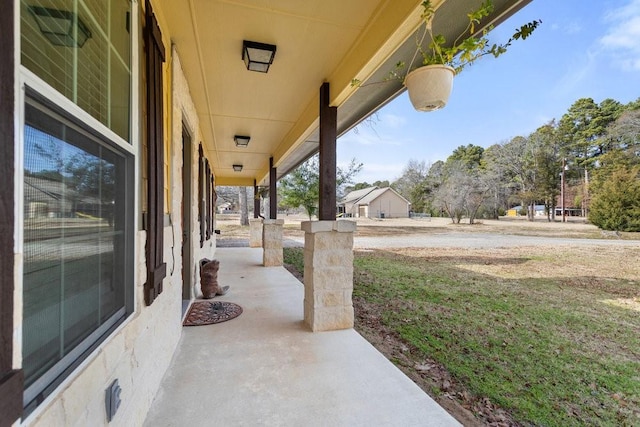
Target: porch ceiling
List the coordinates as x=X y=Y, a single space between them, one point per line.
x=317 y=41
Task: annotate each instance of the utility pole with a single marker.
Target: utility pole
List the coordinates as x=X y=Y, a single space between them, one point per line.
x=585 y=197
x=564 y=167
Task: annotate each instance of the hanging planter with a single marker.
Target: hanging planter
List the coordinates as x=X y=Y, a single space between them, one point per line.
x=430 y=86
x=430 y=83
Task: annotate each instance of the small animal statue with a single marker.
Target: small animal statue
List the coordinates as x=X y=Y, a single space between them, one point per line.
x=209 y=279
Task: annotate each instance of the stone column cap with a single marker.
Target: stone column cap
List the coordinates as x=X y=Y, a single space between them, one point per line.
x=341 y=226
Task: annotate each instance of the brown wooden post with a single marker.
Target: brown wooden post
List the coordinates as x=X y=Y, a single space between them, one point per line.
x=256 y=200
x=273 y=196
x=328 y=137
x=11 y=381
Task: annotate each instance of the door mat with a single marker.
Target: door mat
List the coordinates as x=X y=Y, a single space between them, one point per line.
x=208 y=312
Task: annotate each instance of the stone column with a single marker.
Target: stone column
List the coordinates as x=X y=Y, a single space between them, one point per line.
x=255 y=232
x=328 y=274
x=272 y=242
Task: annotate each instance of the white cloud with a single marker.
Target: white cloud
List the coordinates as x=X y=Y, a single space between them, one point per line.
x=570 y=28
x=364 y=136
x=621 y=13
x=573 y=28
x=578 y=71
x=393 y=120
x=359 y=137
x=621 y=38
x=372 y=172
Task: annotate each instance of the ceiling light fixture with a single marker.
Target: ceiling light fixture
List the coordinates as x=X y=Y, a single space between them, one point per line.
x=237 y=168
x=61 y=27
x=257 y=56
x=241 y=141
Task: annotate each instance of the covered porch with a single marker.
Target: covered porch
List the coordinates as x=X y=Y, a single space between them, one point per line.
x=180 y=111
x=267 y=368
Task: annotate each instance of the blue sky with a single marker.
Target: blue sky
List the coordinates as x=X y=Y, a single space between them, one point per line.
x=583 y=49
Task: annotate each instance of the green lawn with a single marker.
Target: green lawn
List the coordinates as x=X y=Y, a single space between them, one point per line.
x=552 y=341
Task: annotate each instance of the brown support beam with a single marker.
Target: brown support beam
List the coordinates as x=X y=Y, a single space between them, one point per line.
x=273 y=196
x=256 y=200
x=11 y=381
x=328 y=137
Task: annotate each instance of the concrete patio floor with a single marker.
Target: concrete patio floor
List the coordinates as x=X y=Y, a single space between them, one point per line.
x=267 y=368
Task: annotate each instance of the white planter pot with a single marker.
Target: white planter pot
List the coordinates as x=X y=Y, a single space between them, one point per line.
x=430 y=86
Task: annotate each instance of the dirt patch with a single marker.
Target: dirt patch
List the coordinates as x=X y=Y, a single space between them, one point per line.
x=628 y=303
x=297 y=274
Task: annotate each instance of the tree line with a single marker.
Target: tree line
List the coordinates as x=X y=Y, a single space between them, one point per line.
x=594 y=148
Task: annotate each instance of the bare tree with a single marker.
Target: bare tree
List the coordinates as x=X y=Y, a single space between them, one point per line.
x=479 y=184
x=499 y=190
x=412 y=184
x=517 y=158
x=452 y=192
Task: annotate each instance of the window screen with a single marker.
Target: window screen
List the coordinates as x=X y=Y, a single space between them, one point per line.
x=77 y=244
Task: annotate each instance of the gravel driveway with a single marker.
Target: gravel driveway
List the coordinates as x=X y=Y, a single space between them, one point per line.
x=467 y=240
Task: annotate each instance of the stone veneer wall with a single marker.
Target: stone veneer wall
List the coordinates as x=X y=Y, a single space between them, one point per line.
x=328 y=274
x=140 y=351
x=255 y=232
x=272 y=255
x=184 y=113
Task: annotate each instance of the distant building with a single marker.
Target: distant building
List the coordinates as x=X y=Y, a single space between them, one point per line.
x=225 y=207
x=374 y=202
x=515 y=211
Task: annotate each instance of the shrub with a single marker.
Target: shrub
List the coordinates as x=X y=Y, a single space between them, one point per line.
x=616 y=204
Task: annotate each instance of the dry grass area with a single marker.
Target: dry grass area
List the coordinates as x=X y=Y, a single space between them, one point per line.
x=541 y=262
x=575 y=228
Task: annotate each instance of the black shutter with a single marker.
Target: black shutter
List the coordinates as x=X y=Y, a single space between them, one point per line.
x=155 y=56
x=11 y=381
x=201 y=196
x=208 y=198
x=214 y=196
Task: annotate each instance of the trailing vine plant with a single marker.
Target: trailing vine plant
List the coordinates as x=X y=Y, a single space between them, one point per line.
x=467 y=48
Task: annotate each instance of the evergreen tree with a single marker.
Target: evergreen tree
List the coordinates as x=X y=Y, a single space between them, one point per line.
x=616 y=203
